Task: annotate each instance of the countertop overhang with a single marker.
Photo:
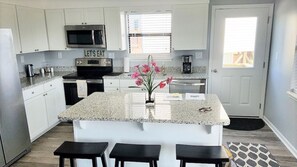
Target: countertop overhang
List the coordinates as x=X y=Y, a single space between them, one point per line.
x=131 y=107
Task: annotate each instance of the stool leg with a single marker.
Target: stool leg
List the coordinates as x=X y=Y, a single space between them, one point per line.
x=71 y=162
x=155 y=164
x=116 y=164
x=122 y=163
x=94 y=162
x=103 y=161
x=151 y=164
x=61 y=161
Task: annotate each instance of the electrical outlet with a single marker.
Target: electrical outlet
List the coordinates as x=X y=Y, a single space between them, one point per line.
x=22 y=59
x=198 y=55
x=111 y=55
x=60 y=55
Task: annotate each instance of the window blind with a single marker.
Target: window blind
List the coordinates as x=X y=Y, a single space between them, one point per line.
x=149 y=33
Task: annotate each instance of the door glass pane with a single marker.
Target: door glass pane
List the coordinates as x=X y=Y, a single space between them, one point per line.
x=239 y=42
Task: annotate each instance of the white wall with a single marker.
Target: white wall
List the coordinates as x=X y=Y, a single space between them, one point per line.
x=281 y=110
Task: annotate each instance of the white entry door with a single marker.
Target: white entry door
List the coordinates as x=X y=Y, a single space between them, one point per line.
x=239 y=46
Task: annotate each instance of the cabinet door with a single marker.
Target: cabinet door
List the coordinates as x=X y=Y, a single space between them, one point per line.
x=115 y=29
x=55 y=29
x=189 y=27
x=52 y=106
x=93 y=16
x=61 y=103
x=36 y=115
x=8 y=19
x=74 y=16
x=32 y=29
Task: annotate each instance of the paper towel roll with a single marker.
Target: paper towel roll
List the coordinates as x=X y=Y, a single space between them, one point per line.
x=126 y=64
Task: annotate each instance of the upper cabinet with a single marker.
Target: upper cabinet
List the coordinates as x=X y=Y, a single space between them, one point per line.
x=84 y=16
x=189 y=27
x=55 y=29
x=8 y=19
x=32 y=29
x=115 y=29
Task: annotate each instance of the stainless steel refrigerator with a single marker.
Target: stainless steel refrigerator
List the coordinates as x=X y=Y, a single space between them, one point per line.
x=14 y=133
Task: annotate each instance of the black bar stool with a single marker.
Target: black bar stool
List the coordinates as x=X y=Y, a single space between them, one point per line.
x=81 y=150
x=135 y=153
x=201 y=154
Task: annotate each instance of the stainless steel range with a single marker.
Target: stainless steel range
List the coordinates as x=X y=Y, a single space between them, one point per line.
x=90 y=69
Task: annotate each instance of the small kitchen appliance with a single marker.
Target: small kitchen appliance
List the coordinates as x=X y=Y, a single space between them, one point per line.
x=187 y=64
x=92 y=71
x=29 y=70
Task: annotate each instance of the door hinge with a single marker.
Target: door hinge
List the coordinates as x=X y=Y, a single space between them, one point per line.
x=264 y=64
x=260 y=106
x=268 y=19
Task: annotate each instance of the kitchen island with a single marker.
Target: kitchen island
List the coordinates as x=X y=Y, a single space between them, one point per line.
x=124 y=118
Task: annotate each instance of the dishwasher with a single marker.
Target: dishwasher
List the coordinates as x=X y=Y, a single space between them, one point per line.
x=188 y=86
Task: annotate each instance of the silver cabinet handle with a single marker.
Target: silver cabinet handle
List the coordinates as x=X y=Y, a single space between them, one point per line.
x=133 y=87
x=187 y=84
x=93 y=37
x=214 y=70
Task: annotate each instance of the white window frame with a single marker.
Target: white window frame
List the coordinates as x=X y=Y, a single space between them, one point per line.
x=143 y=56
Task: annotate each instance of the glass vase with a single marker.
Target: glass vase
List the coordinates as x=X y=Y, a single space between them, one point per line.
x=149 y=99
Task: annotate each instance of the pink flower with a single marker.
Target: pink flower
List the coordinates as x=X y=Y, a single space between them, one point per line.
x=146 y=68
x=169 y=80
x=135 y=75
x=162 y=84
x=157 y=69
x=136 y=67
x=154 y=64
x=139 y=81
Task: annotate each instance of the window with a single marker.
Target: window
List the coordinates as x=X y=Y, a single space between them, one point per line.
x=149 y=33
x=240 y=37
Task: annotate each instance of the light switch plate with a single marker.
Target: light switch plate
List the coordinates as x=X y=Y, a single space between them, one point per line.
x=198 y=55
x=60 y=55
x=22 y=59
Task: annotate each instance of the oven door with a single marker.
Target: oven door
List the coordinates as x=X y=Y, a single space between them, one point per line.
x=70 y=89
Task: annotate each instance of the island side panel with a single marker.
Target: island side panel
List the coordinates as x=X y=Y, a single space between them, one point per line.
x=165 y=134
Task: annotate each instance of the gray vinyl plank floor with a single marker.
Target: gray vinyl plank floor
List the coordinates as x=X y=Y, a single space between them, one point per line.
x=41 y=154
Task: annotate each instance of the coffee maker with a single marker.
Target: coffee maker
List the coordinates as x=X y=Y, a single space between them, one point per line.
x=187 y=64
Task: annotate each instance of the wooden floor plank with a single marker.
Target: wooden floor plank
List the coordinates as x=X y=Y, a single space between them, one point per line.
x=41 y=154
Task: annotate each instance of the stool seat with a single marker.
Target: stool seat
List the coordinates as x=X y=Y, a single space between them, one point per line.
x=135 y=153
x=201 y=154
x=81 y=150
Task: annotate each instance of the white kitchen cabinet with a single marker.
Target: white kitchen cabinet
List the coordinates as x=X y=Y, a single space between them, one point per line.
x=115 y=29
x=8 y=19
x=189 y=27
x=55 y=23
x=111 y=85
x=84 y=16
x=43 y=103
x=36 y=115
x=32 y=29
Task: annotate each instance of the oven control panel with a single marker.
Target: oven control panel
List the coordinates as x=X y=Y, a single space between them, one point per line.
x=95 y=62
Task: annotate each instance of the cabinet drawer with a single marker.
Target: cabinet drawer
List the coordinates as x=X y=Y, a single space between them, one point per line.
x=111 y=83
x=32 y=92
x=50 y=85
x=125 y=83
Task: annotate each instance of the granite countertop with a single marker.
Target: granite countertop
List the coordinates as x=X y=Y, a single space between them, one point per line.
x=131 y=107
x=175 y=75
x=29 y=82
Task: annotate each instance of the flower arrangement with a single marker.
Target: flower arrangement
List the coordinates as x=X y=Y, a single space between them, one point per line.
x=145 y=75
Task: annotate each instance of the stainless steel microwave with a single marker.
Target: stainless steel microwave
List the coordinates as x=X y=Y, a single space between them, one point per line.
x=85 y=36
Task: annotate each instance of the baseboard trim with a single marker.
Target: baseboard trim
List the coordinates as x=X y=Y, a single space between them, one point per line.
x=289 y=146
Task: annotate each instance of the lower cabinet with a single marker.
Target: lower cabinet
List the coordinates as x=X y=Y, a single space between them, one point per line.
x=43 y=103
